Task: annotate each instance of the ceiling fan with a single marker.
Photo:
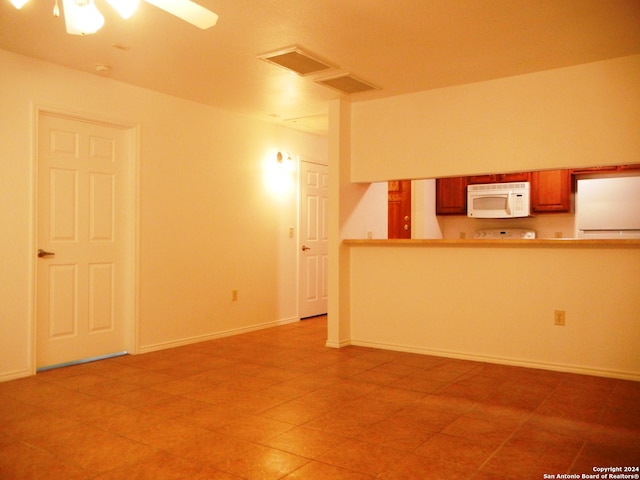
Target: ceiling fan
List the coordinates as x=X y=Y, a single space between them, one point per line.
x=82 y=17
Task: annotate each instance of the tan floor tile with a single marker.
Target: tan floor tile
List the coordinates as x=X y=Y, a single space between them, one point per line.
x=26 y=462
x=421 y=417
x=323 y=471
x=305 y=442
x=37 y=424
x=164 y=466
x=213 y=417
x=362 y=457
x=258 y=462
x=418 y=384
x=94 y=384
x=92 y=449
x=176 y=406
x=542 y=442
x=442 y=448
x=477 y=429
x=416 y=467
x=296 y=412
x=514 y=462
x=391 y=433
x=128 y=420
x=255 y=428
x=141 y=398
x=94 y=409
x=397 y=395
x=211 y=448
x=167 y=434
x=447 y=404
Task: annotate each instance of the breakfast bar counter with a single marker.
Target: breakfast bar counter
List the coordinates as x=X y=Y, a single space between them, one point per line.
x=497 y=300
x=538 y=242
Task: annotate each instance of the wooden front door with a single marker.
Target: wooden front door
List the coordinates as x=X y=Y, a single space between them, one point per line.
x=399 y=209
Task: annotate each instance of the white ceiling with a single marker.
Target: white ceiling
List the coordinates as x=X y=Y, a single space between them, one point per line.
x=401 y=46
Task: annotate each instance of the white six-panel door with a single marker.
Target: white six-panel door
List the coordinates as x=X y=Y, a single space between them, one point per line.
x=82 y=240
x=314 y=191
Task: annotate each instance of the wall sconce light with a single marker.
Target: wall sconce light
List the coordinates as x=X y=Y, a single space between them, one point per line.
x=279 y=170
x=285 y=161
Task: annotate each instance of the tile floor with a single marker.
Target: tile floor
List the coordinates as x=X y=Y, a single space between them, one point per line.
x=278 y=404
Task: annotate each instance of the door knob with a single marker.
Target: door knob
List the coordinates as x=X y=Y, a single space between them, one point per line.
x=44 y=253
x=305 y=248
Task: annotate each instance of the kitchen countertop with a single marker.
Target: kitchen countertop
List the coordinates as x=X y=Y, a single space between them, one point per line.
x=538 y=242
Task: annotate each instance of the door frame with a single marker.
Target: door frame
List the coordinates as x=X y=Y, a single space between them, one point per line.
x=131 y=302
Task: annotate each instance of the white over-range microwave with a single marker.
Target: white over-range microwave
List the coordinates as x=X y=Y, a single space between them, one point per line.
x=499 y=200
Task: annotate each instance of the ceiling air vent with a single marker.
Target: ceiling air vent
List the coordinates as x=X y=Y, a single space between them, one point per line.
x=296 y=60
x=346 y=83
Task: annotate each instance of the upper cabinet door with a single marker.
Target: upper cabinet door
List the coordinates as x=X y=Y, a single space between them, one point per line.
x=551 y=191
x=475 y=179
x=500 y=178
x=514 y=177
x=451 y=196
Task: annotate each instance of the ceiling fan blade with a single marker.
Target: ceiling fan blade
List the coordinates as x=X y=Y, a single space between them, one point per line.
x=188 y=11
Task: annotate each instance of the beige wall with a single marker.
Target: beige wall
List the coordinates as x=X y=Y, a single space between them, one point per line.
x=496 y=304
x=207 y=222
x=576 y=116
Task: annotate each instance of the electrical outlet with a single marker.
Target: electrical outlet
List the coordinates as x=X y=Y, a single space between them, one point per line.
x=234 y=295
x=558 y=318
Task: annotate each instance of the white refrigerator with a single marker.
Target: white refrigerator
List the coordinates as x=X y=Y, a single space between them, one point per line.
x=608 y=207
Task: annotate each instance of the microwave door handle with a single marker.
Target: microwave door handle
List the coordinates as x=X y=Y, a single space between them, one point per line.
x=509 y=200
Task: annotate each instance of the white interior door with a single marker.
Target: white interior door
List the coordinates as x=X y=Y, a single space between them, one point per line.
x=83 y=240
x=314 y=191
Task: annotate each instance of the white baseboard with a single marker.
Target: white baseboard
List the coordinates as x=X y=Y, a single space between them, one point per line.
x=212 y=336
x=344 y=343
x=622 y=375
x=16 y=374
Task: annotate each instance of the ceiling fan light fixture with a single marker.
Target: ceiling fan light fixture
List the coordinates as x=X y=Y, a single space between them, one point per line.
x=82 y=17
x=19 y=3
x=125 y=8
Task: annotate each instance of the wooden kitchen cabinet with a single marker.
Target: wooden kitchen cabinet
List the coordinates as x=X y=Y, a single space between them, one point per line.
x=515 y=177
x=551 y=191
x=500 y=178
x=451 y=196
x=606 y=169
x=626 y=168
x=475 y=179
